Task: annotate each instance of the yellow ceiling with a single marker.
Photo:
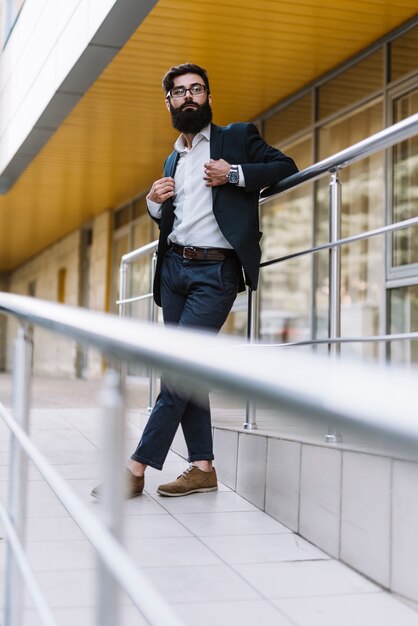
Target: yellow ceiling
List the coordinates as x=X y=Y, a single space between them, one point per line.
x=112 y=144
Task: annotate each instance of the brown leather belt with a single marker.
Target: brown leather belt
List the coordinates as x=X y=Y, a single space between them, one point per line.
x=202 y=254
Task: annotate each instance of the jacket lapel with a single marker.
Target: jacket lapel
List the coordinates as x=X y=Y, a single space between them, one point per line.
x=216 y=140
x=171 y=164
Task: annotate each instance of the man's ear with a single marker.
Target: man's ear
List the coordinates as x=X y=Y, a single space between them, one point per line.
x=167 y=104
x=210 y=99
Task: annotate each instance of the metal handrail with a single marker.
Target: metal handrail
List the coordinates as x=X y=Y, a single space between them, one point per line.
x=379 y=141
x=326 y=392
x=124 y=569
x=327 y=386
x=382 y=230
x=385 y=138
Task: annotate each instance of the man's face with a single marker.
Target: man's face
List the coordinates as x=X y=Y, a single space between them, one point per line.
x=191 y=112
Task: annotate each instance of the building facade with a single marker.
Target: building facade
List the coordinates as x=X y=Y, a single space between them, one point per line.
x=368 y=91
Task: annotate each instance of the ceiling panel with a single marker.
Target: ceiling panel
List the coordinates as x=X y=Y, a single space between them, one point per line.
x=112 y=144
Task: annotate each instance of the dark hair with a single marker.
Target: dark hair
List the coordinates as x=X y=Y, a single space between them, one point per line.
x=179 y=70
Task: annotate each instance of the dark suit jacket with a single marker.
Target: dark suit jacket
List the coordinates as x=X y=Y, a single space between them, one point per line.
x=235 y=208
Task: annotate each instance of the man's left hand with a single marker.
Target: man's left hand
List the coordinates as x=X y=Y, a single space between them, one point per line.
x=216 y=173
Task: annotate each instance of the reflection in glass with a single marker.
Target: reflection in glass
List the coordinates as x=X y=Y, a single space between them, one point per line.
x=357 y=82
x=288 y=121
x=285 y=288
x=405 y=185
x=362 y=209
x=404 y=57
x=404 y=319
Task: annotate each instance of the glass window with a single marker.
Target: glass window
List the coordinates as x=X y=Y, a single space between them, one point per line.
x=404 y=319
x=405 y=184
x=140 y=274
x=121 y=217
x=404 y=57
x=357 y=82
x=362 y=209
x=120 y=247
x=139 y=207
x=288 y=121
x=285 y=287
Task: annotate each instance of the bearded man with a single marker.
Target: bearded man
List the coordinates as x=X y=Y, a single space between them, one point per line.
x=206 y=206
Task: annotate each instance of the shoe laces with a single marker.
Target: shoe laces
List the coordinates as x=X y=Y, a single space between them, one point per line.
x=187 y=471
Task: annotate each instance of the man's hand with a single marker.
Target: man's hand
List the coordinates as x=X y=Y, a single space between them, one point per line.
x=216 y=173
x=161 y=190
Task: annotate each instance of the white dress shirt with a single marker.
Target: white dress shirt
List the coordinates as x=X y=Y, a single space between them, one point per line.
x=194 y=221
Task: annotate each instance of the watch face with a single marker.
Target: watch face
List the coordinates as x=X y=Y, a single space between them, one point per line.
x=233 y=176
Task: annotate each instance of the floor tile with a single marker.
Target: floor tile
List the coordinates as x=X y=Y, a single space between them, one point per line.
x=139 y=527
x=200 y=584
x=243 y=613
x=231 y=523
x=263 y=548
x=371 y=609
x=305 y=578
x=206 y=502
x=61 y=555
x=53 y=529
x=172 y=552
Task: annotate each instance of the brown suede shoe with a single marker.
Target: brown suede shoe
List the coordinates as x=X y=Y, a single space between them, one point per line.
x=193 y=480
x=134 y=486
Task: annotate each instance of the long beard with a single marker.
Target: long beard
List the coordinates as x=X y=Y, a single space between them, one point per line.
x=191 y=120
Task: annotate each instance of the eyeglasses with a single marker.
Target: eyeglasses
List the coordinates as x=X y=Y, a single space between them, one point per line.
x=179 y=92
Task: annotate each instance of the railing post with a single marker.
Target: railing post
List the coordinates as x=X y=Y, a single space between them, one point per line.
x=153 y=314
x=112 y=404
x=335 y=262
x=123 y=272
x=17 y=496
x=334 y=435
x=252 y=336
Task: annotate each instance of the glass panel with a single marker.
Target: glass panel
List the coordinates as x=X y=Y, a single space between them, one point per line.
x=289 y=121
x=405 y=184
x=236 y=323
x=285 y=288
x=362 y=181
x=140 y=207
x=140 y=274
x=355 y=83
x=404 y=54
x=121 y=217
x=362 y=209
x=404 y=319
x=120 y=247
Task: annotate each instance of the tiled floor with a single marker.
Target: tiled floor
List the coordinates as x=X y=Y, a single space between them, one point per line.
x=216 y=558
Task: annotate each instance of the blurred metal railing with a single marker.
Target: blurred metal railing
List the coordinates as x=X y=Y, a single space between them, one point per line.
x=326 y=389
x=332 y=165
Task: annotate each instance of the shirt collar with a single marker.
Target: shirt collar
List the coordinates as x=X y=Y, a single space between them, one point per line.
x=204 y=133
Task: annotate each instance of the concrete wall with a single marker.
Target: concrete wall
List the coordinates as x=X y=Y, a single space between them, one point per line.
x=55 y=355
x=52 y=354
x=357 y=505
x=98 y=284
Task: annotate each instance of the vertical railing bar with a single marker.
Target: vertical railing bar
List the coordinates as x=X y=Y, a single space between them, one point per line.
x=334 y=348
x=153 y=313
x=335 y=261
x=252 y=336
x=17 y=495
x=35 y=591
x=112 y=404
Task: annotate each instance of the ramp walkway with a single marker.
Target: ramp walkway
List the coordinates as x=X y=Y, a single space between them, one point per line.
x=215 y=557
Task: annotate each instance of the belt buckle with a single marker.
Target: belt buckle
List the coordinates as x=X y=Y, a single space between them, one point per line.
x=187 y=250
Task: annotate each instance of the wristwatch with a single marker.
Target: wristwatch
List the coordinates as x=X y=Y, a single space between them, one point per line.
x=233 y=176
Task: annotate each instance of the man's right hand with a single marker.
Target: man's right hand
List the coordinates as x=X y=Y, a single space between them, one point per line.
x=161 y=190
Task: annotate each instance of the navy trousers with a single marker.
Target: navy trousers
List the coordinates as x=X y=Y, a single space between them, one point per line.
x=194 y=294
